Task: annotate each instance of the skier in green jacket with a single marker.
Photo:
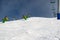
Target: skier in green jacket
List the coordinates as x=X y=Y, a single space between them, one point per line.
x=25 y=17
x=5 y=19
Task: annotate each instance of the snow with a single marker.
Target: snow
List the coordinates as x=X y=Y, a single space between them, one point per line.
x=34 y=28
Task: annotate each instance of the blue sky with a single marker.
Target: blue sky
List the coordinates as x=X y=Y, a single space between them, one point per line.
x=17 y=8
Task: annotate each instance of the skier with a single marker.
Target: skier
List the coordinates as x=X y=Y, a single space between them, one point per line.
x=25 y=17
x=5 y=19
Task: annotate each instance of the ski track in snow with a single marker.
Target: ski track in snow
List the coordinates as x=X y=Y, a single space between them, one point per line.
x=34 y=28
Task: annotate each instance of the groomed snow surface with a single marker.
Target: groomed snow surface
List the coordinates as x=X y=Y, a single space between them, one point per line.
x=34 y=28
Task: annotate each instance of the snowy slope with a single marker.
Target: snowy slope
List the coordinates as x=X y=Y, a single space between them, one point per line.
x=34 y=28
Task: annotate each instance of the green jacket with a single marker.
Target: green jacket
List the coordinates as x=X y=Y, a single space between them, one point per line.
x=5 y=19
x=25 y=17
